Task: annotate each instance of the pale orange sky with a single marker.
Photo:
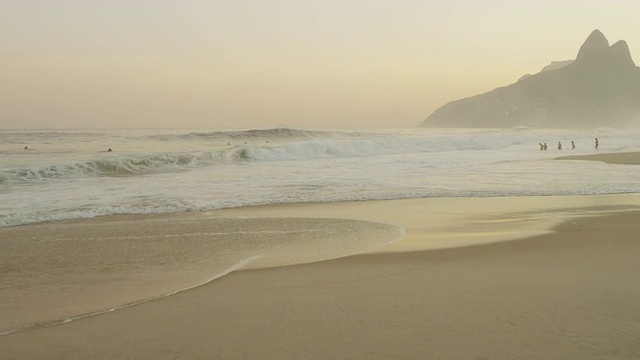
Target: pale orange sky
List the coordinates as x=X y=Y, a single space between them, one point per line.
x=303 y=64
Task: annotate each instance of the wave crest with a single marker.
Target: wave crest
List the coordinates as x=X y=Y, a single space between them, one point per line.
x=248 y=135
x=121 y=166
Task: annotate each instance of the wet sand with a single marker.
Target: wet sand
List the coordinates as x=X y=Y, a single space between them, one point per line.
x=475 y=278
x=626 y=158
x=53 y=272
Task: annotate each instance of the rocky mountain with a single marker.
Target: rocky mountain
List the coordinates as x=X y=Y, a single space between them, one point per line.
x=601 y=87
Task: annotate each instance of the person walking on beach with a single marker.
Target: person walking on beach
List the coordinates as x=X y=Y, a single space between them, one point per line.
x=597 y=144
x=573 y=145
x=559 y=145
x=544 y=146
x=541 y=146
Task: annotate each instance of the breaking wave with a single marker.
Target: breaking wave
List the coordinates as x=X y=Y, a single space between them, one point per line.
x=248 y=135
x=285 y=145
x=121 y=166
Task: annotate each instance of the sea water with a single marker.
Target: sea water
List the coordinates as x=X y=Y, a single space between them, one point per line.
x=69 y=174
x=52 y=271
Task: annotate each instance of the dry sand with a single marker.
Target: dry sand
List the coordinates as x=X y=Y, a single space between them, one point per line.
x=570 y=293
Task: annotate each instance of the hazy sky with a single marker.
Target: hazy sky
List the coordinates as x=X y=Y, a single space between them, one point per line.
x=266 y=63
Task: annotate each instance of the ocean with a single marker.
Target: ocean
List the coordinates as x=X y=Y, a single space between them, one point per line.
x=53 y=272
x=48 y=175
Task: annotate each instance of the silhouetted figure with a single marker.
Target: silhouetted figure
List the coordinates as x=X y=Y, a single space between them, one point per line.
x=109 y=150
x=541 y=146
x=573 y=145
x=545 y=146
x=228 y=143
x=26 y=148
x=597 y=144
x=559 y=145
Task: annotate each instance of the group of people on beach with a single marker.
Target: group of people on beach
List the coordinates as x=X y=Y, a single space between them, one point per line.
x=543 y=146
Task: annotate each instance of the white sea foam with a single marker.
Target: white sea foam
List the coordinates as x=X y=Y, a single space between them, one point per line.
x=69 y=174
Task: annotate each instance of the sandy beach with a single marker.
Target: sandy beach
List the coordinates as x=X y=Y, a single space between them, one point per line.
x=473 y=278
x=627 y=158
x=311 y=180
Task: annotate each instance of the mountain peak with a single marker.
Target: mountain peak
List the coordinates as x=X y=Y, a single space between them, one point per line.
x=596 y=52
x=596 y=43
x=600 y=88
x=620 y=53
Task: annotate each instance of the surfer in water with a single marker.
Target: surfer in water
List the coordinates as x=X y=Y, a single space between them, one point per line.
x=559 y=145
x=109 y=150
x=597 y=144
x=573 y=145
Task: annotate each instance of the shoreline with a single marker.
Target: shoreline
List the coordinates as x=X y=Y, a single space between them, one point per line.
x=621 y=158
x=266 y=312
x=110 y=263
x=452 y=222
x=225 y=272
x=560 y=294
x=506 y=277
x=427 y=224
